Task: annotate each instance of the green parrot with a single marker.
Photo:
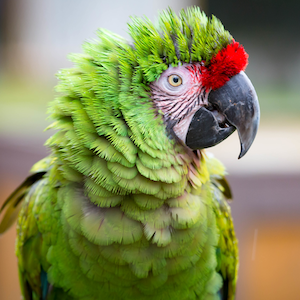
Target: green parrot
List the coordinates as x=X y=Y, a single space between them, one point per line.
x=128 y=205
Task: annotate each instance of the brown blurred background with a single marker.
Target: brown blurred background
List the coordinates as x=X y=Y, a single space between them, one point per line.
x=35 y=38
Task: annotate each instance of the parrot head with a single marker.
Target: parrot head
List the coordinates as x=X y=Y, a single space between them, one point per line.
x=201 y=90
x=200 y=109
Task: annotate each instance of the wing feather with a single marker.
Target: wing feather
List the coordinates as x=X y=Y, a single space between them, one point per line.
x=11 y=207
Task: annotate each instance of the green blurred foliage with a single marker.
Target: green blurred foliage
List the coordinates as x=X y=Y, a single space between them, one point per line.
x=23 y=106
x=278 y=100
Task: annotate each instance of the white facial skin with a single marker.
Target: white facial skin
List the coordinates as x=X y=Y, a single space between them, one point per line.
x=178 y=93
x=181 y=71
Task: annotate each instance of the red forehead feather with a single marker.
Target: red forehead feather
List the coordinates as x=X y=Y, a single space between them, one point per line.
x=227 y=63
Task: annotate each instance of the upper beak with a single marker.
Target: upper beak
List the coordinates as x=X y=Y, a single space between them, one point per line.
x=232 y=106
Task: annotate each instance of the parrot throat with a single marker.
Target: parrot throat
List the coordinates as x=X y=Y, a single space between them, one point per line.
x=110 y=168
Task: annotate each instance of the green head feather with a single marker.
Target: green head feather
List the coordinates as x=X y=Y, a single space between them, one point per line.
x=189 y=37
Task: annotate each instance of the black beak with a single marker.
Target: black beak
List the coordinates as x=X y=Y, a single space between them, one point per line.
x=232 y=106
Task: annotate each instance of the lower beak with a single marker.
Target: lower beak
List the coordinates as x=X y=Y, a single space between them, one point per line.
x=232 y=106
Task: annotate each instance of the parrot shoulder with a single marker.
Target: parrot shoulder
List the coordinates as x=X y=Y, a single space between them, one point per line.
x=12 y=205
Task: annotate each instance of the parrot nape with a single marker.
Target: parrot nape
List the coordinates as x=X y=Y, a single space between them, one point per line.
x=128 y=205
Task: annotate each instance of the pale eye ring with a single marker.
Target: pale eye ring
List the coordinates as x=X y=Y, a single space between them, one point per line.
x=174 y=80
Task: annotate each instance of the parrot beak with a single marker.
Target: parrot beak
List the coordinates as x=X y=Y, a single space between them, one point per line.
x=232 y=106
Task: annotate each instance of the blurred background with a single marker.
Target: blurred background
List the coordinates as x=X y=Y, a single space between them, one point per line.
x=35 y=39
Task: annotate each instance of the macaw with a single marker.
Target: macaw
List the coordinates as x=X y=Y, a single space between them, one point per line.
x=128 y=205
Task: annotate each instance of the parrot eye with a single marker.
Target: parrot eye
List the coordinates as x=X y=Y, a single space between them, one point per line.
x=175 y=80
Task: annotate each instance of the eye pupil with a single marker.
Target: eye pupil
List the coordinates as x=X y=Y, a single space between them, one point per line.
x=175 y=80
